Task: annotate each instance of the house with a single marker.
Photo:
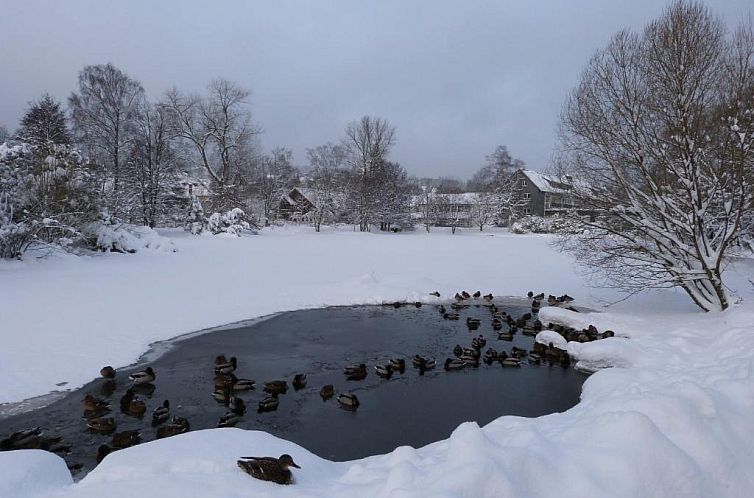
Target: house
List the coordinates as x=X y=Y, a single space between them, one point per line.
x=295 y=205
x=447 y=210
x=545 y=195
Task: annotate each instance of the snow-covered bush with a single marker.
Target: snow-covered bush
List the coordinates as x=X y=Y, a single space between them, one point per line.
x=112 y=235
x=233 y=222
x=46 y=195
x=560 y=224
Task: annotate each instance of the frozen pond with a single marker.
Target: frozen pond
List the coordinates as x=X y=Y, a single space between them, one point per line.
x=407 y=409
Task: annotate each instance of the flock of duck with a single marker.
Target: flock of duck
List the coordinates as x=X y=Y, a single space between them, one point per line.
x=228 y=387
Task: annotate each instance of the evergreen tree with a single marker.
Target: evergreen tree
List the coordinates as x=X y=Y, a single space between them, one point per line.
x=44 y=124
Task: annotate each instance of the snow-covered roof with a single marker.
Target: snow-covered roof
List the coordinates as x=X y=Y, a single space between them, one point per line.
x=550 y=183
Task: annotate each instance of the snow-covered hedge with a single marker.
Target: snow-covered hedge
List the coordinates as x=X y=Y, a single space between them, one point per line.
x=112 y=235
x=561 y=224
x=233 y=222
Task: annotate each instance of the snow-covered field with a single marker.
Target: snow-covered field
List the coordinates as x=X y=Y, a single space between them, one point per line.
x=674 y=420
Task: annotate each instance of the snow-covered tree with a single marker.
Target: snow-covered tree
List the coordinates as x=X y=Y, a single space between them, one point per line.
x=484 y=210
x=275 y=175
x=104 y=113
x=368 y=142
x=327 y=182
x=218 y=128
x=662 y=127
x=44 y=124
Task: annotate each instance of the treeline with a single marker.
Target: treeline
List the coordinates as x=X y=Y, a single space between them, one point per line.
x=112 y=156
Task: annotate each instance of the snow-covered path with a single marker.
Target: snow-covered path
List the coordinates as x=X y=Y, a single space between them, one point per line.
x=673 y=420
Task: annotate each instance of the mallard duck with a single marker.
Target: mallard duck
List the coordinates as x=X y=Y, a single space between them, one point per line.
x=497 y=324
x=518 y=352
x=178 y=425
x=565 y=298
x=136 y=408
x=539 y=296
x=398 y=364
x=490 y=356
x=228 y=367
x=465 y=295
x=145 y=377
x=552 y=300
x=352 y=369
x=268 y=404
x=225 y=380
x=102 y=452
x=478 y=342
x=473 y=323
x=348 y=401
x=530 y=294
x=230 y=419
x=161 y=413
x=458 y=350
x=435 y=293
x=510 y=362
x=451 y=316
x=458 y=297
x=470 y=352
x=384 y=371
x=220 y=360
x=94 y=406
x=327 y=392
x=454 y=364
x=243 y=385
x=442 y=309
x=477 y=294
x=269 y=469
x=107 y=372
x=236 y=405
x=299 y=381
x=534 y=358
x=488 y=297
x=428 y=365
x=125 y=439
x=535 y=305
x=418 y=361
x=24 y=439
x=221 y=394
x=276 y=387
x=470 y=360
x=125 y=400
x=60 y=449
x=101 y=425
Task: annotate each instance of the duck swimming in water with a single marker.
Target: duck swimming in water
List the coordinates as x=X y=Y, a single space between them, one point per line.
x=145 y=377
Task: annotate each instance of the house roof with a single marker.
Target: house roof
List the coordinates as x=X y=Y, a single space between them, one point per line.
x=551 y=184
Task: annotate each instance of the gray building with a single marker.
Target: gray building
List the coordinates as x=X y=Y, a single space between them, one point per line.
x=545 y=195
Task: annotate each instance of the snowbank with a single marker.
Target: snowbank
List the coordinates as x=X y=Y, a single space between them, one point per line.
x=672 y=417
x=29 y=473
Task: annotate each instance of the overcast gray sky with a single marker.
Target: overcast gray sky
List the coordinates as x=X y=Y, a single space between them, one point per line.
x=456 y=78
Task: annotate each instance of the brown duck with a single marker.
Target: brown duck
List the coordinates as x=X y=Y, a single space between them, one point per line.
x=269 y=469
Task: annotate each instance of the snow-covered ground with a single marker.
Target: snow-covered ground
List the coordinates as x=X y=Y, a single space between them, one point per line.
x=674 y=419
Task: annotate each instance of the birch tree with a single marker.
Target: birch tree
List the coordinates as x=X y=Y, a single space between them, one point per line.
x=661 y=126
x=104 y=112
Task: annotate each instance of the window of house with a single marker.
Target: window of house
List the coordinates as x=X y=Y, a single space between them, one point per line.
x=523 y=182
x=527 y=210
x=527 y=195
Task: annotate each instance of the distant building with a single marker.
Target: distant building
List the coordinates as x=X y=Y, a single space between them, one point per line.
x=446 y=210
x=296 y=204
x=545 y=195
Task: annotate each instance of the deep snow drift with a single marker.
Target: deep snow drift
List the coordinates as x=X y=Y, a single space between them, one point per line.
x=674 y=419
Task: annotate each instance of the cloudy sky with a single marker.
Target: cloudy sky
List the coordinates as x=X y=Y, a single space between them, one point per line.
x=456 y=78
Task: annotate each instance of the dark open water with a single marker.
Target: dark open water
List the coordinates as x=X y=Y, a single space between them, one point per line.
x=406 y=410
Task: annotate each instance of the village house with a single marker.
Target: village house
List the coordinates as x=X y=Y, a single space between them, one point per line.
x=545 y=195
x=296 y=204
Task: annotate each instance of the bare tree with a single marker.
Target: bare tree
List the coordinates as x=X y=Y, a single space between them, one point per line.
x=274 y=176
x=661 y=126
x=153 y=161
x=368 y=142
x=218 y=126
x=104 y=112
x=327 y=181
